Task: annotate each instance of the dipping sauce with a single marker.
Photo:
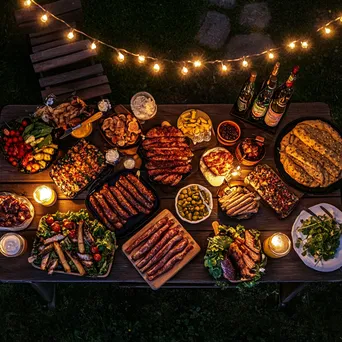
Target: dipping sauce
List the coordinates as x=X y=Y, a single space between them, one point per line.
x=129 y=163
x=112 y=156
x=228 y=132
x=12 y=245
x=143 y=106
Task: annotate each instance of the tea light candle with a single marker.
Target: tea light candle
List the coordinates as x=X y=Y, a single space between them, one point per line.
x=277 y=245
x=12 y=245
x=45 y=195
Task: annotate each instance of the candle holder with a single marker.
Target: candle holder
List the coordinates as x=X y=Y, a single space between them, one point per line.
x=45 y=195
x=277 y=245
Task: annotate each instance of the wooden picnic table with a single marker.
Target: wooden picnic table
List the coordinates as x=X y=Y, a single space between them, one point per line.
x=287 y=269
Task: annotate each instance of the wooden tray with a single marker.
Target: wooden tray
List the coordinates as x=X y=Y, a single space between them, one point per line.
x=158 y=282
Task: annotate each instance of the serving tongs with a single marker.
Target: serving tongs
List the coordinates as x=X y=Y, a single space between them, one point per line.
x=319 y=218
x=329 y=214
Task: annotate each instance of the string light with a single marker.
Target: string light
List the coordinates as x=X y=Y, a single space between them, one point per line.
x=141 y=59
x=292 y=45
x=197 y=64
x=44 y=18
x=93 y=46
x=156 y=67
x=71 y=35
x=121 y=57
x=184 y=70
x=224 y=68
x=304 y=44
x=271 y=55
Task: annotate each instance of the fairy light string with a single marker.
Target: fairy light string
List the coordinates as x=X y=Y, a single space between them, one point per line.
x=121 y=52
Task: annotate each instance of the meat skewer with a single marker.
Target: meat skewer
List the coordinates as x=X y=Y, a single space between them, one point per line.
x=141 y=187
x=147 y=234
x=168 y=236
x=173 y=261
x=151 y=241
x=178 y=248
x=162 y=252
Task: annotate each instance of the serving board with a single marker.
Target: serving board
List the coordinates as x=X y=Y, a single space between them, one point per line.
x=162 y=279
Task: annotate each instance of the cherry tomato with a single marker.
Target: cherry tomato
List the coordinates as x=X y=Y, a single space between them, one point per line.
x=5 y=138
x=94 y=250
x=9 y=140
x=72 y=234
x=14 y=163
x=20 y=139
x=97 y=257
x=15 y=140
x=12 y=133
x=24 y=123
x=21 y=129
x=49 y=220
x=10 y=159
x=17 y=133
x=56 y=227
x=69 y=225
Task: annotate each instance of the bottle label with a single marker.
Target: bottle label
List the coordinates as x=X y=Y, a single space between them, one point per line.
x=272 y=118
x=242 y=104
x=258 y=111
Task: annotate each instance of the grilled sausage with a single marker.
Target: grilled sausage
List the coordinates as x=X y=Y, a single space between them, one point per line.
x=184 y=152
x=179 y=169
x=100 y=212
x=123 y=201
x=178 y=248
x=131 y=200
x=169 y=235
x=162 y=252
x=162 y=140
x=173 y=261
x=148 y=194
x=165 y=145
x=114 y=203
x=165 y=131
x=134 y=192
x=109 y=213
x=151 y=241
x=147 y=234
x=166 y=164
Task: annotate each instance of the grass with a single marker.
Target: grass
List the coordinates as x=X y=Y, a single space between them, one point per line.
x=104 y=312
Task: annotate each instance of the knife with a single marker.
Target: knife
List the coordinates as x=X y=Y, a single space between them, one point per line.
x=93 y=118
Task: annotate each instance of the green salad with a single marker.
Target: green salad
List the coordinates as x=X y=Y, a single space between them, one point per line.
x=73 y=243
x=321 y=237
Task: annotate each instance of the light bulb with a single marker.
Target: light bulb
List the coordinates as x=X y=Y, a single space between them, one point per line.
x=156 y=67
x=184 y=70
x=27 y=3
x=244 y=63
x=44 y=18
x=93 y=46
x=327 y=30
x=141 y=59
x=224 y=68
x=121 y=57
x=271 y=55
x=292 y=45
x=197 y=64
x=71 y=35
x=304 y=44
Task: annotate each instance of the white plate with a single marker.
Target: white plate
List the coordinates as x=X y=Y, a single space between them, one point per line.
x=322 y=266
x=26 y=223
x=201 y=187
x=210 y=177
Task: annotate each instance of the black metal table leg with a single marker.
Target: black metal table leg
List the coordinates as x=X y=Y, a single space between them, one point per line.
x=48 y=292
x=288 y=291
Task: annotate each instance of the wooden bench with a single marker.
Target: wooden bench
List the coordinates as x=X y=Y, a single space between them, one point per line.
x=64 y=67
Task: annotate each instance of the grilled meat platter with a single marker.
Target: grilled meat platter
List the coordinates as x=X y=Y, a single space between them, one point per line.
x=235 y=254
x=72 y=243
x=122 y=202
x=272 y=190
x=168 y=155
x=78 y=168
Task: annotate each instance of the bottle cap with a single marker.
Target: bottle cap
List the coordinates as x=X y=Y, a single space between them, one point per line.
x=253 y=76
x=272 y=82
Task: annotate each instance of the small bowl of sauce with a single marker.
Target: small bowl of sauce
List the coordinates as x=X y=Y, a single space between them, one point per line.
x=228 y=132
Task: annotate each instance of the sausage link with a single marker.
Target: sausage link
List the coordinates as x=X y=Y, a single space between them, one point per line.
x=113 y=202
x=112 y=217
x=123 y=202
x=131 y=200
x=100 y=212
x=141 y=187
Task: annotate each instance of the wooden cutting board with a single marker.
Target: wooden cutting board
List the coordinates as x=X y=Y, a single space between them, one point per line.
x=162 y=279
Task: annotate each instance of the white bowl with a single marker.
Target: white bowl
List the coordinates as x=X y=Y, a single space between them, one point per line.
x=147 y=95
x=210 y=203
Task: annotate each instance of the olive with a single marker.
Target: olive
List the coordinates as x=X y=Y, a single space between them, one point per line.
x=196 y=213
x=197 y=208
x=200 y=217
x=181 y=213
x=189 y=216
x=195 y=218
x=184 y=192
x=181 y=196
x=193 y=202
x=189 y=199
x=202 y=207
x=184 y=204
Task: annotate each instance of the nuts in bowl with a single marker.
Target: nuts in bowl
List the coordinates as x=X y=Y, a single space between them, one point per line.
x=228 y=132
x=194 y=203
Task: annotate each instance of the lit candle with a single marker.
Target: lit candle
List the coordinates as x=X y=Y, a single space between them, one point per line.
x=45 y=195
x=237 y=171
x=12 y=245
x=277 y=245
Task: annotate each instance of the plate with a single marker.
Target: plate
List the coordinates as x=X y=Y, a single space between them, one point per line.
x=26 y=223
x=133 y=223
x=285 y=175
x=209 y=176
x=324 y=266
